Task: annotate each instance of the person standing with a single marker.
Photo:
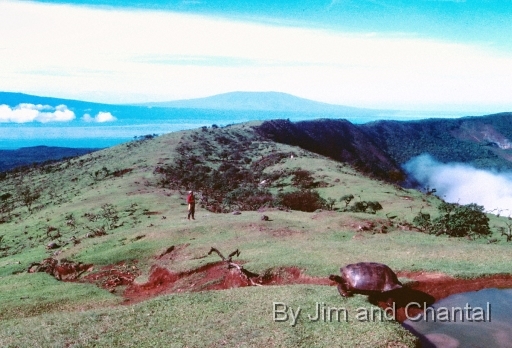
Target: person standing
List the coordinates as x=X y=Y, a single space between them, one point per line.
x=191 y=201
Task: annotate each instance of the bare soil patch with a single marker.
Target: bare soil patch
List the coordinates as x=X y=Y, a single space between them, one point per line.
x=60 y=269
x=426 y=287
x=112 y=276
x=284 y=232
x=213 y=276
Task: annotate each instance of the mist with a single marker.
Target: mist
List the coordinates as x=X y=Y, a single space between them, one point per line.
x=464 y=184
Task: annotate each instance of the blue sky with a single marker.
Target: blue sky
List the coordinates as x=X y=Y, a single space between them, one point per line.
x=414 y=55
x=483 y=21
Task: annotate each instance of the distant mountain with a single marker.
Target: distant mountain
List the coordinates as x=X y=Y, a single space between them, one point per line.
x=13 y=99
x=235 y=101
x=222 y=108
x=264 y=101
x=10 y=159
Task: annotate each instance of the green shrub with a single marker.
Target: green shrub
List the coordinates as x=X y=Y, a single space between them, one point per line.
x=423 y=222
x=303 y=200
x=369 y=207
x=456 y=220
x=248 y=198
x=303 y=179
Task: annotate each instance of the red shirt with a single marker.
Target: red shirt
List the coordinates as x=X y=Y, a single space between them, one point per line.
x=190 y=198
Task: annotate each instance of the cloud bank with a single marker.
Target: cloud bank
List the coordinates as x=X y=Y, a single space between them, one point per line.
x=462 y=183
x=24 y=113
x=132 y=56
x=101 y=117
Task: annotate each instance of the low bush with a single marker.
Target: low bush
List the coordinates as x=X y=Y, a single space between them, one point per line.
x=370 y=207
x=303 y=200
x=248 y=198
x=455 y=220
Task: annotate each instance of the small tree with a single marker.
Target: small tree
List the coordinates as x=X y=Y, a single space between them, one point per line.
x=507 y=232
x=347 y=199
x=29 y=196
x=330 y=202
x=110 y=214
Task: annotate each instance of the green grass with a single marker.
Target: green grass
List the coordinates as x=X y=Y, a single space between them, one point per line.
x=194 y=320
x=37 y=310
x=28 y=295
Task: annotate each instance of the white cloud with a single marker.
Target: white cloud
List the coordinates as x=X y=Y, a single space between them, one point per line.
x=101 y=117
x=456 y=182
x=24 y=113
x=111 y=55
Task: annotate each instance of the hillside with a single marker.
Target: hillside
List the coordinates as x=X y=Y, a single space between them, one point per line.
x=339 y=140
x=133 y=271
x=376 y=148
x=381 y=148
x=484 y=141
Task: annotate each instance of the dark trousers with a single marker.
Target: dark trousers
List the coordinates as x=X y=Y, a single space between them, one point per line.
x=191 y=210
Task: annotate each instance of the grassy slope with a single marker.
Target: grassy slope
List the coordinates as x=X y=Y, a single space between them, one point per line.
x=37 y=310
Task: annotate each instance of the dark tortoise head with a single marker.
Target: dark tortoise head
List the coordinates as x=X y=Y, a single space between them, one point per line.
x=335 y=278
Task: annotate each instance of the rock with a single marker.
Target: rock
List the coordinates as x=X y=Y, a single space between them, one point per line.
x=52 y=245
x=264 y=218
x=236 y=212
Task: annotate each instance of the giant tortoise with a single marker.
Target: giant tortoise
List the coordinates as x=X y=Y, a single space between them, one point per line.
x=366 y=278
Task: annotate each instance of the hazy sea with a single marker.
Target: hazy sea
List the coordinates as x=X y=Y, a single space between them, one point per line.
x=80 y=134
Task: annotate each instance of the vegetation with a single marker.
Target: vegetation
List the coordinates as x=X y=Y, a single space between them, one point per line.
x=380 y=148
x=303 y=200
x=347 y=199
x=455 y=220
x=336 y=139
x=132 y=214
x=448 y=140
x=366 y=207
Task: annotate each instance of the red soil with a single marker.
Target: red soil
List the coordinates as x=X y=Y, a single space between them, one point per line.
x=212 y=276
x=426 y=286
x=110 y=277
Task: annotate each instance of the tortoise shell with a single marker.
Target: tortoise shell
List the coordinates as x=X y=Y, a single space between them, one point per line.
x=366 y=277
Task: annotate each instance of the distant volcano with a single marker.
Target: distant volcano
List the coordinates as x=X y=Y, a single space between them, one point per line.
x=264 y=101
